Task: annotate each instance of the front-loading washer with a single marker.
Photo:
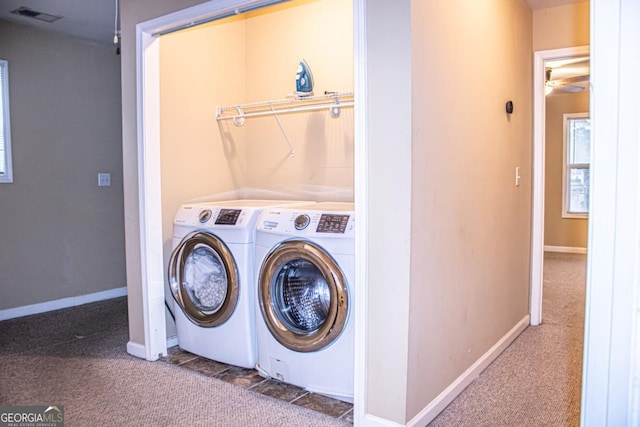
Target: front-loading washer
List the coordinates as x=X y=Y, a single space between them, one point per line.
x=305 y=259
x=211 y=277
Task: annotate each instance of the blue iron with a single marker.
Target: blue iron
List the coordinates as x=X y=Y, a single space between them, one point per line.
x=304 y=80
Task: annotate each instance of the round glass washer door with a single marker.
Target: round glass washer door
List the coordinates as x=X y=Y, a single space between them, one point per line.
x=303 y=296
x=203 y=277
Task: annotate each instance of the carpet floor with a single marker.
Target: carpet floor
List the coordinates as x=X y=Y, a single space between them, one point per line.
x=76 y=358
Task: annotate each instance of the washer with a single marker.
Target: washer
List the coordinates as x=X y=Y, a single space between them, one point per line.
x=305 y=272
x=211 y=277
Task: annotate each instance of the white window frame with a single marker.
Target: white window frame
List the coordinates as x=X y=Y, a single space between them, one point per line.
x=5 y=142
x=566 y=167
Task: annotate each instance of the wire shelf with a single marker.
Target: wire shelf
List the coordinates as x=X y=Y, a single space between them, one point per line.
x=331 y=101
x=334 y=102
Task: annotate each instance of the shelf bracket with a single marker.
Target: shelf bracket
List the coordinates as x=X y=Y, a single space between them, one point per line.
x=335 y=110
x=284 y=132
x=239 y=119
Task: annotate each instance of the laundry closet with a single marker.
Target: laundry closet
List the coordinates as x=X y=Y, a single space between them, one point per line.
x=247 y=59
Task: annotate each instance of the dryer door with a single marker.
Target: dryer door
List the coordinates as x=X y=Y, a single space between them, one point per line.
x=303 y=296
x=203 y=277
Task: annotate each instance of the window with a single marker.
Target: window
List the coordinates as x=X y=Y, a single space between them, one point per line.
x=577 y=161
x=6 y=173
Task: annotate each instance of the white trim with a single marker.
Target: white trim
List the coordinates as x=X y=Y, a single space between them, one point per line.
x=431 y=411
x=374 y=421
x=152 y=270
x=44 y=307
x=137 y=350
x=203 y=13
x=565 y=249
x=609 y=395
x=582 y=216
x=537 y=214
x=361 y=169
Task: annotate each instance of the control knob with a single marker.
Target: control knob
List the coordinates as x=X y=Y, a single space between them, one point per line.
x=302 y=221
x=204 y=216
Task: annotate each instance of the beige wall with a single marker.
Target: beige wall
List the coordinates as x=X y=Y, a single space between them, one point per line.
x=470 y=228
x=558 y=231
x=199 y=69
x=441 y=192
x=559 y=27
x=62 y=236
x=253 y=58
x=321 y=32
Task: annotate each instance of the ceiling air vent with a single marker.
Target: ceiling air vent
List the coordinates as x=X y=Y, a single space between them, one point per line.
x=26 y=12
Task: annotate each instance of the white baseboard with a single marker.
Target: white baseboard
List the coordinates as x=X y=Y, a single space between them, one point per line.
x=44 y=307
x=432 y=410
x=137 y=350
x=565 y=249
x=373 y=421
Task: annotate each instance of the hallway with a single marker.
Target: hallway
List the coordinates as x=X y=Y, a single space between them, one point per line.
x=537 y=380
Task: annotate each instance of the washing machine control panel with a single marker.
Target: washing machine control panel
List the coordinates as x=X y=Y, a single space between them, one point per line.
x=228 y=216
x=307 y=223
x=332 y=223
x=216 y=217
x=224 y=217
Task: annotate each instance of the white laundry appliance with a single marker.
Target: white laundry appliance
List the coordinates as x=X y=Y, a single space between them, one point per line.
x=211 y=277
x=305 y=275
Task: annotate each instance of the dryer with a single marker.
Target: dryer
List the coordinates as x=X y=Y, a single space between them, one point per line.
x=211 y=277
x=305 y=266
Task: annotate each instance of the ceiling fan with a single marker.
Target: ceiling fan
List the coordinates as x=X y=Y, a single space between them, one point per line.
x=567 y=77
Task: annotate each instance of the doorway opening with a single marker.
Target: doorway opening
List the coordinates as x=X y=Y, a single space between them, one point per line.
x=543 y=61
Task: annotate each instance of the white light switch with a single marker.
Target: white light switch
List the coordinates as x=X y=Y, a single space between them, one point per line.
x=518 y=176
x=104 y=179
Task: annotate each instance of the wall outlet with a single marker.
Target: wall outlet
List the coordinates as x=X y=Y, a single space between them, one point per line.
x=104 y=179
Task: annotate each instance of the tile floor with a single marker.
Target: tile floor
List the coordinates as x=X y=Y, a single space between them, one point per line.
x=251 y=380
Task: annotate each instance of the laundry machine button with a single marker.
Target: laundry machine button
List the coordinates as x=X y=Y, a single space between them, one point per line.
x=302 y=221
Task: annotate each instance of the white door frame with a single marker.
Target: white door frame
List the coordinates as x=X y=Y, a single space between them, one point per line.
x=611 y=366
x=537 y=220
x=148 y=110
